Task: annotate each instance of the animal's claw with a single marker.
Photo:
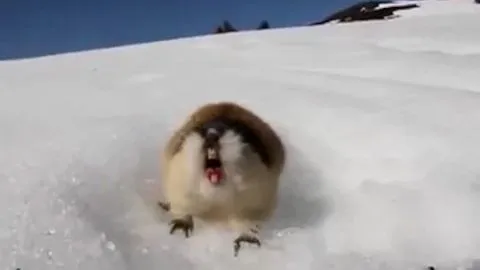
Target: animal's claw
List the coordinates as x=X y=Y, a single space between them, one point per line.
x=251 y=239
x=186 y=224
x=165 y=206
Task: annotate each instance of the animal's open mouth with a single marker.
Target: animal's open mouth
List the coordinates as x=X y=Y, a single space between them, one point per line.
x=213 y=166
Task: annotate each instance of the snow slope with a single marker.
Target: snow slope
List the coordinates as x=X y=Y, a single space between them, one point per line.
x=381 y=119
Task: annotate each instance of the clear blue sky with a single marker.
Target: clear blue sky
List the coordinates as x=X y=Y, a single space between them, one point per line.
x=34 y=28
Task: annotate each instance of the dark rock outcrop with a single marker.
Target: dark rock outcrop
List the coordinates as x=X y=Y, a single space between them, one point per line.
x=225 y=27
x=218 y=30
x=263 y=25
x=363 y=11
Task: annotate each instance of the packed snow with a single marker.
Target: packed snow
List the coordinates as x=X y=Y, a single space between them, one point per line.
x=381 y=122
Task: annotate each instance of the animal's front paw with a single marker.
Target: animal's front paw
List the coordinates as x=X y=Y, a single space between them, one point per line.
x=165 y=206
x=186 y=224
x=246 y=238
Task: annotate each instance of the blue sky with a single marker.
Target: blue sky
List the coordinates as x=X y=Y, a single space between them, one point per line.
x=34 y=28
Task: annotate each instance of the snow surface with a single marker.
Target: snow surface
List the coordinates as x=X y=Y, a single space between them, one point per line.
x=381 y=119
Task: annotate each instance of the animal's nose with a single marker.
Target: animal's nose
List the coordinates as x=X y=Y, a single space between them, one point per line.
x=212 y=144
x=211 y=138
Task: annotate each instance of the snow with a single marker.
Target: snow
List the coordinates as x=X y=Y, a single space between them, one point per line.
x=381 y=121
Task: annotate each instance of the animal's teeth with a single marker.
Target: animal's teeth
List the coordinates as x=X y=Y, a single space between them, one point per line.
x=211 y=153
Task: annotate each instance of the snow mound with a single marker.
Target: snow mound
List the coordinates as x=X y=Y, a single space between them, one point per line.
x=381 y=121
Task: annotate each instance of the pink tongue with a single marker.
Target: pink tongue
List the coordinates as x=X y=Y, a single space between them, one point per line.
x=214 y=175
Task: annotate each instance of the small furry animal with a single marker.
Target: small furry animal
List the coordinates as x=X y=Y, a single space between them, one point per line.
x=222 y=165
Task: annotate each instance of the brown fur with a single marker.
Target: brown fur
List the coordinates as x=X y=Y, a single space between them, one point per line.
x=244 y=209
